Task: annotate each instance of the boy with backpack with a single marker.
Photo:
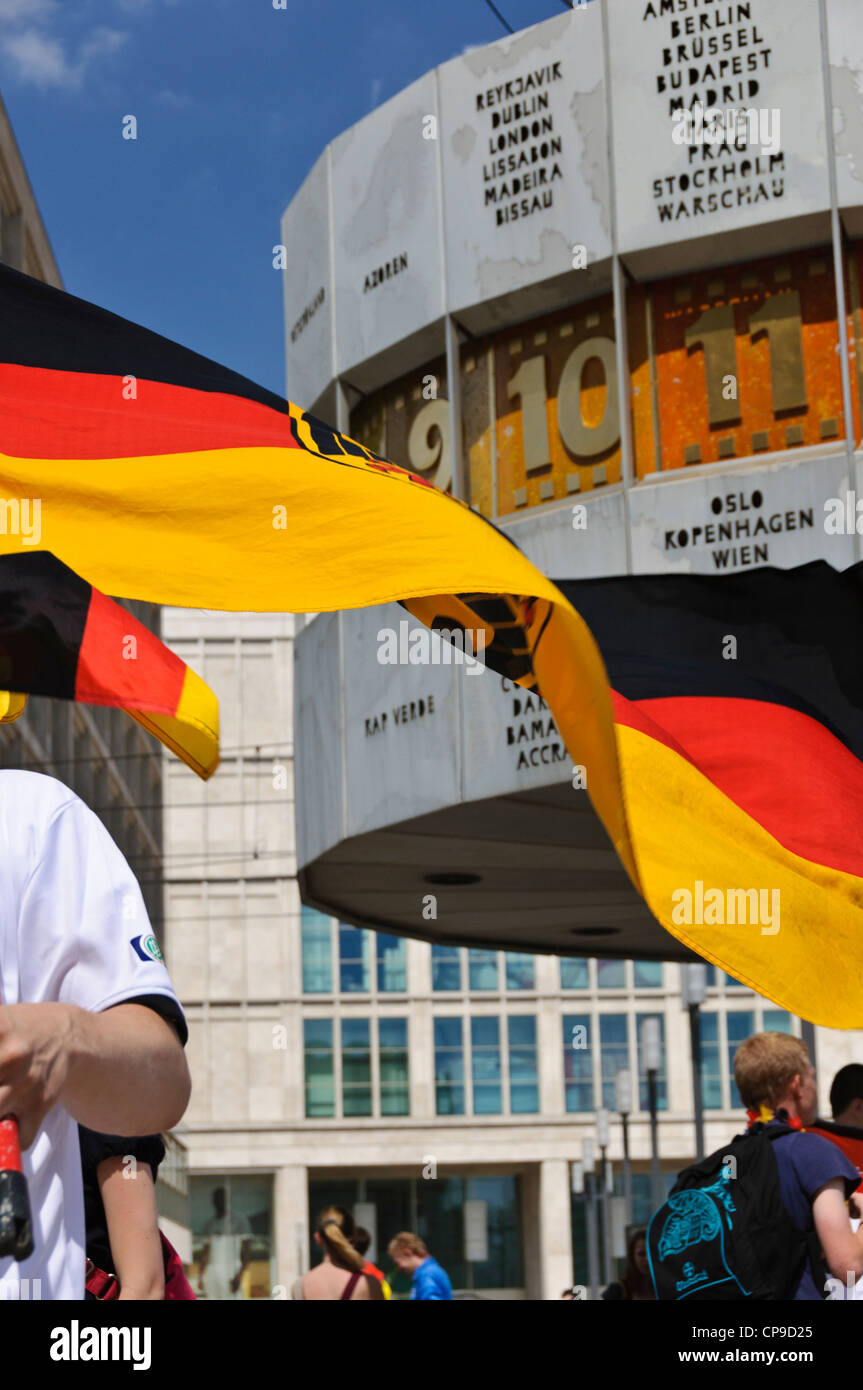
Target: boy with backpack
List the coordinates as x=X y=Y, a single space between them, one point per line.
x=765 y=1217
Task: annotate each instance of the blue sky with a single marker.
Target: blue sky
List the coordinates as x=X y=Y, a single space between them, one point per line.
x=234 y=102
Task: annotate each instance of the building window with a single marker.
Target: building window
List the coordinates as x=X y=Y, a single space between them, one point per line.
x=436 y=1211
x=647 y=974
x=231 y=1219
x=356 y=1067
x=317 y=952
x=711 y=1062
x=714 y=977
x=577 y=1062
x=392 y=964
x=523 y=1071
x=320 y=1082
x=483 y=969
x=393 y=1063
x=520 y=971
x=354 y=956
x=613 y=1053
x=574 y=974
x=740 y=1025
x=776 y=1021
x=661 y=1080
x=446 y=968
x=485 y=1062
x=611 y=974
x=449 y=1066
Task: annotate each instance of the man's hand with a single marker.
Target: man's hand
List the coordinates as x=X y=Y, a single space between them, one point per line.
x=122 y=1071
x=34 y=1062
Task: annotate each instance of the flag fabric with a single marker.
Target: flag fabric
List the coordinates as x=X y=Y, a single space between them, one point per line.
x=163 y=476
x=60 y=637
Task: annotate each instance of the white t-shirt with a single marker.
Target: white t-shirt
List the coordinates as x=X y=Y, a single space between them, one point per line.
x=73 y=929
x=225 y=1236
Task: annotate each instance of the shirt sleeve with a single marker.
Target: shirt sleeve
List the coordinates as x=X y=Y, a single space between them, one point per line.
x=817 y=1161
x=84 y=937
x=95 y=1147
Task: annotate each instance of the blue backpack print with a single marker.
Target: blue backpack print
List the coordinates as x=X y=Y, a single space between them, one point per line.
x=724 y=1233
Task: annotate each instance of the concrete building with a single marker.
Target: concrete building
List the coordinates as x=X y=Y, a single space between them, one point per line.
x=514 y=280
x=102 y=754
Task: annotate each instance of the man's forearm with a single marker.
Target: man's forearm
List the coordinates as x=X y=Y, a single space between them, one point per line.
x=127 y=1071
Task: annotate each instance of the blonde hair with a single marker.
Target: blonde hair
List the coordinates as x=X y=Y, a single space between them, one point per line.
x=406 y=1242
x=335 y=1228
x=765 y=1065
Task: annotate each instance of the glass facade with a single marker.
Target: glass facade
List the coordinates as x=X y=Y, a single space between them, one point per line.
x=578 y=1062
x=366 y=959
x=446 y=967
x=393 y=1063
x=711 y=1062
x=740 y=1025
x=435 y=1210
x=357 y=1061
x=647 y=974
x=483 y=970
x=523 y=1065
x=520 y=971
x=232 y=1218
x=449 y=1066
x=354 y=960
x=574 y=974
x=319 y=1070
x=614 y=1053
x=486 y=1066
x=356 y=1067
x=392 y=964
x=317 y=950
x=611 y=974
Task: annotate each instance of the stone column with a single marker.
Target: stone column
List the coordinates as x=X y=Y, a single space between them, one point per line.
x=291 y=1225
x=555 y=1227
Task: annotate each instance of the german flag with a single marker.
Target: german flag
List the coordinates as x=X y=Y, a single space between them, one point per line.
x=62 y=638
x=166 y=477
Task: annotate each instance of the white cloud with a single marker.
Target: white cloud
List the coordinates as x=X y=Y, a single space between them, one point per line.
x=13 y=10
x=44 y=62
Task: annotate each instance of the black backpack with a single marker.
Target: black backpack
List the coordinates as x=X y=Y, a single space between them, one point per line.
x=724 y=1232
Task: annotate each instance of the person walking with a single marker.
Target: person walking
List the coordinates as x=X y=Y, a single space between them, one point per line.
x=361 y=1242
x=340 y=1276
x=635 y=1282
x=410 y=1255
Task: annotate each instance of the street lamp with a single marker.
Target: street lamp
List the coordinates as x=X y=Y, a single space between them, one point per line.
x=693 y=992
x=652 y=1052
x=587 y=1160
x=623 y=1101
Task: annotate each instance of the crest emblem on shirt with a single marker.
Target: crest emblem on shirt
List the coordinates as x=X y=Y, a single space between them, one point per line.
x=147 y=947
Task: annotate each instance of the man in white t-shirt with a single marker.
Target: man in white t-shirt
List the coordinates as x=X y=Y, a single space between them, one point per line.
x=226 y=1253
x=90 y=1027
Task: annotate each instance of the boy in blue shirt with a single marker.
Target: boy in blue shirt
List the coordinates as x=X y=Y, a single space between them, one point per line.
x=410 y=1255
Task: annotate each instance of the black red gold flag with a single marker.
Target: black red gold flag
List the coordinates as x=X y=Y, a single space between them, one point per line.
x=60 y=637
x=163 y=476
